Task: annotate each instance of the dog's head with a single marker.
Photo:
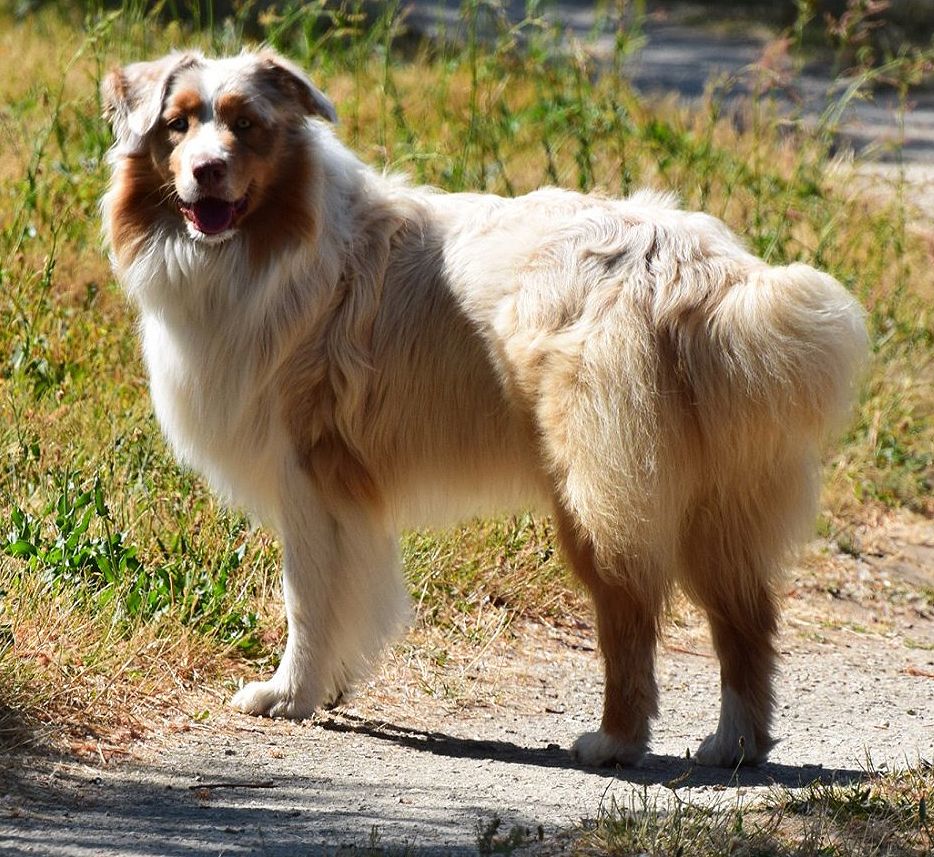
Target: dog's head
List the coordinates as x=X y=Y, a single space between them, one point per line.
x=208 y=141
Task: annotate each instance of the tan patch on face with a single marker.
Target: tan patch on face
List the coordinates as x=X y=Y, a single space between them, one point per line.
x=184 y=102
x=229 y=106
x=247 y=125
x=282 y=213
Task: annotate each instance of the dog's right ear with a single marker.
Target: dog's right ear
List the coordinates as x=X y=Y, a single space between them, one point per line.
x=133 y=96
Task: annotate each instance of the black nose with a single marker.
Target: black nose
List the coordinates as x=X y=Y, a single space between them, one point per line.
x=210 y=174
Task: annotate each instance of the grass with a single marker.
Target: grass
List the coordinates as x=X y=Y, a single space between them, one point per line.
x=122 y=581
x=883 y=814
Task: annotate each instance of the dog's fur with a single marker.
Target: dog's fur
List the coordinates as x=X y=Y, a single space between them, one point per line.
x=347 y=355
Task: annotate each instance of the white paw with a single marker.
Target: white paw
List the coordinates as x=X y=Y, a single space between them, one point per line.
x=596 y=749
x=734 y=743
x=716 y=751
x=271 y=699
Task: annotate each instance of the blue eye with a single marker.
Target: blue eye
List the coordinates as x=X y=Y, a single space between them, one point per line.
x=180 y=124
x=242 y=124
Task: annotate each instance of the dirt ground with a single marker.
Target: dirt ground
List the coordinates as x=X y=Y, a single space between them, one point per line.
x=423 y=762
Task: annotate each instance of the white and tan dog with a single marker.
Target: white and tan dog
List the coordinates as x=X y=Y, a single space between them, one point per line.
x=347 y=355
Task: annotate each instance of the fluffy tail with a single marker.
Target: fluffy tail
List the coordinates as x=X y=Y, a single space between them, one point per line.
x=774 y=371
x=790 y=343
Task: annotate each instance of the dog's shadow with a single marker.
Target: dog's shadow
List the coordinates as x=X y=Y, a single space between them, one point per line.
x=657 y=769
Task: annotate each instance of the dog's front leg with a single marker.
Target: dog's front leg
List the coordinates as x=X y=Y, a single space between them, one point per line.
x=309 y=534
x=343 y=594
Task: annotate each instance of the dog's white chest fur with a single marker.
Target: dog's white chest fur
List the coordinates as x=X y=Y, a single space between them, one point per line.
x=216 y=413
x=200 y=399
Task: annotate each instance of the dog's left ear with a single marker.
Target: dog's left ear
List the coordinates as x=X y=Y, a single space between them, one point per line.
x=133 y=96
x=292 y=82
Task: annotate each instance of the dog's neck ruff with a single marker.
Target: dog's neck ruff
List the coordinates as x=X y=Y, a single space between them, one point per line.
x=174 y=275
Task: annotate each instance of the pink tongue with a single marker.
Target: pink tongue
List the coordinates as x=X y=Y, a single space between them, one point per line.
x=212 y=215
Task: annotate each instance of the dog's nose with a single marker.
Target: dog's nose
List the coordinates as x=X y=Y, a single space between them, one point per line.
x=210 y=174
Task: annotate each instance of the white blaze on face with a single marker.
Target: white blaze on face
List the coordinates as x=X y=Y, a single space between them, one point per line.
x=205 y=144
x=204 y=147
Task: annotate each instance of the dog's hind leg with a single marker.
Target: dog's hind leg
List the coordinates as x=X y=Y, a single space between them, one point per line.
x=344 y=597
x=728 y=569
x=627 y=626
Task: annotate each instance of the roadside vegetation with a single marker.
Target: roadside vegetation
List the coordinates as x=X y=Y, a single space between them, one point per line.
x=123 y=583
x=883 y=815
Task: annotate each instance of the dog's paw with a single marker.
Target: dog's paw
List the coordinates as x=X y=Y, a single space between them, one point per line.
x=716 y=751
x=336 y=700
x=596 y=749
x=271 y=699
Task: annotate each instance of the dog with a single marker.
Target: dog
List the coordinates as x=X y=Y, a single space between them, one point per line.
x=347 y=355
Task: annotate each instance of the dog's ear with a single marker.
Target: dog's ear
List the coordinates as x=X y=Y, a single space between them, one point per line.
x=291 y=81
x=133 y=96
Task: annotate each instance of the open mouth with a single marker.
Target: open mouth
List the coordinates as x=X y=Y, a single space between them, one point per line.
x=212 y=215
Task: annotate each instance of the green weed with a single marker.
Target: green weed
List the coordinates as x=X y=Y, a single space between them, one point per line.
x=74 y=543
x=878 y=815
x=491 y=841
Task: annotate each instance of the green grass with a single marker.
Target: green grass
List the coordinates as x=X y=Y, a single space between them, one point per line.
x=117 y=567
x=883 y=814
